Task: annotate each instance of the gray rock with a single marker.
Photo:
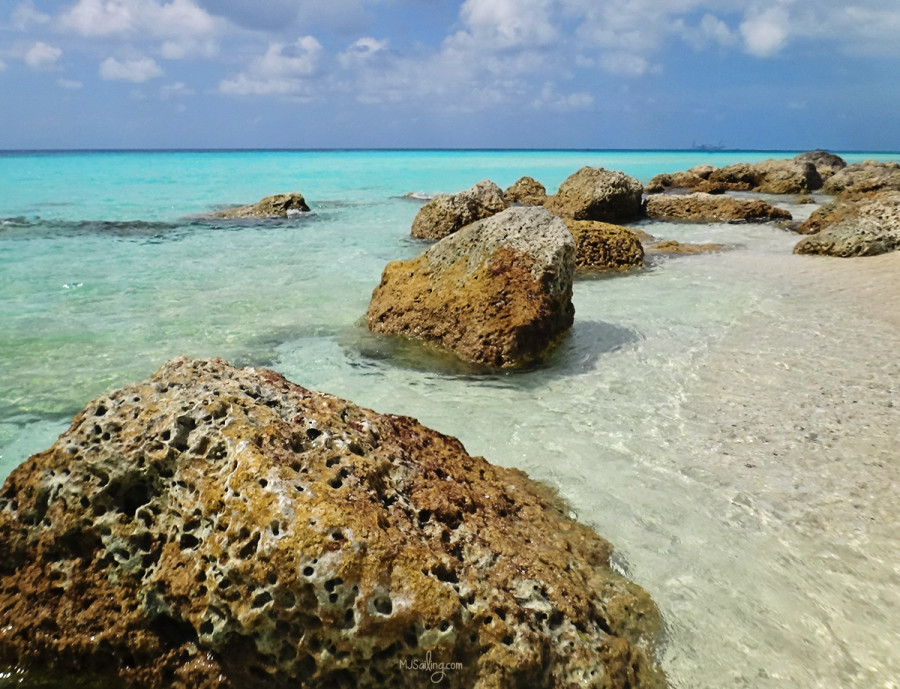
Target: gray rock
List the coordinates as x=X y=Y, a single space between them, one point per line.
x=446 y=213
x=594 y=193
x=865 y=226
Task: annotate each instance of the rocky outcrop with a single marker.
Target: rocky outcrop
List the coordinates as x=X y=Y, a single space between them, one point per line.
x=671 y=246
x=870 y=175
x=712 y=208
x=602 y=246
x=527 y=191
x=278 y=206
x=826 y=163
x=446 y=213
x=497 y=292
x=685 y=179
x=221 y=528
x=866 y=225
x=594 y=193
x=786 y=177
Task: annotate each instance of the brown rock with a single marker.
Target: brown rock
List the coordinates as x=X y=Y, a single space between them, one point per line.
x=593 y=193
x=709 y=208
x=870 y=175
x=671 y=246
x=865 y=225
x=527 y=191
x=446 y=213
x=786 y=177
x=224 y=528
x=826 y=163
x=278 y=206
x=685 y=179
x=498 y=292
x=600 y=245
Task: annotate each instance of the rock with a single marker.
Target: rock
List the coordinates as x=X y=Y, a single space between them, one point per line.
x=527 y=191
x=786 y=177
x=869 y=175
x=446 y=213
x=497 y=292
x=709 y=208
x=826 y=163
x=223 y=528
x=278 y=206
x=593 y=193
x=804 y=199
x=863 y=226
x=600 y=245
x=686 y=179
x=671 y=246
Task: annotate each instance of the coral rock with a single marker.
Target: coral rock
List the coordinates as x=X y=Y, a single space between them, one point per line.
x=593 y=193
x=710 y=208
x=527 y=191
x=671 y=246
x=869 y=175
x=446 y=213
x=497 y=292
x=600 y=245
x=224 y=528
x=865 y=225
x=278 y=206
x=826 y=163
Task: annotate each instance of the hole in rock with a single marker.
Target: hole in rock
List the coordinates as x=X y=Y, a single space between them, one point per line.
x=383 y=606
x=261 y=599
x=313 y=433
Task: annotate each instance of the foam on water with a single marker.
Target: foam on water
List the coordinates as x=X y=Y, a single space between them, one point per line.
x=729 y=421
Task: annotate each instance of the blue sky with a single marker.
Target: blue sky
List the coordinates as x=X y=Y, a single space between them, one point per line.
x=767 y=74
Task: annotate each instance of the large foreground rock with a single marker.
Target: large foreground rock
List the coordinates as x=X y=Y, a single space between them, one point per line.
x=866 y=225
x=446 y=213
x=593 y=193
x=603 y=246
x=497 y=292
x=278 y=206
x=215 y=527
x=711 y=208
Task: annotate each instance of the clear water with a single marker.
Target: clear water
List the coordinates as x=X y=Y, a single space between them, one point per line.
x=729 y=421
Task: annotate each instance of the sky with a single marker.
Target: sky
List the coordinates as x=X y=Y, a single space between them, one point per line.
x=592 y=74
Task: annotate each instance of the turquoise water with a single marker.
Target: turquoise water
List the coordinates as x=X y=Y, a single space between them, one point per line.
x=673 y=382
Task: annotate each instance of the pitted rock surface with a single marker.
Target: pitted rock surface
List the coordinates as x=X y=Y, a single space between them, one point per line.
x=711 y=208
x=527 y=191
x=498 y=292
x=603 y=246
x=446 y=213
x=593 y=193
x=219 y=527
x=277 y=206
x=861 y=225
x=867 y=176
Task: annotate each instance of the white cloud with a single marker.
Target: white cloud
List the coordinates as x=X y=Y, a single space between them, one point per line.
x=176 y=90
x=624 y=63
x=42 y=56
x=362 y=52
x=26 y=15
x=715 y=30
x=765 y=33
x=177 y=18
x=181 y=48
x=282 y=70
x=136 y=71
x=510 y=23
x=69 y=84
x=549 y=99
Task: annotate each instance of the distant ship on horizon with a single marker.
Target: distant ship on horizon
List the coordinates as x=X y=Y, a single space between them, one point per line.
x=707 y=147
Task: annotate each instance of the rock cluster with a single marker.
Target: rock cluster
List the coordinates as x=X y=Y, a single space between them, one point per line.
x=221 y=528
x=870 y=175
x=862 y=225
x=527 y=191
x=278 y=206
x=603 y=246
x=446 y=213
x=701 y=207
x=593 y=193
x=497 y=292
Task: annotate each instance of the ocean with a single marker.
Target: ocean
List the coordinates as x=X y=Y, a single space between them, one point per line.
x=728 y=421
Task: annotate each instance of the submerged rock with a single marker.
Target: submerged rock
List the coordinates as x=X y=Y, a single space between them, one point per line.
x=527 y=191
x=671 y=246
x=712 y=208
x=446 y=213
x=278 y=206
x=217 y=527
x=866 y=225
x=593 y=193
x=498 y=292
x=602 y=246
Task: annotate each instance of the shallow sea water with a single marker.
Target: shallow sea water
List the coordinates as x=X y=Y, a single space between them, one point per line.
x=729 y=421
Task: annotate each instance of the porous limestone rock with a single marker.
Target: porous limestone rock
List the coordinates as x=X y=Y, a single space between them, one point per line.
x=497 y=292
x=223 y=528
x=671 y=246
x=601 y=246
x=593 y=193
x=798 y=175
x=826 y=163
x=277 y=206
x=701 y=207
x=786 y=177
x=527 y=191
x=446 y=213
x=684 y=179
x=869 y=175
x=864 y=225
